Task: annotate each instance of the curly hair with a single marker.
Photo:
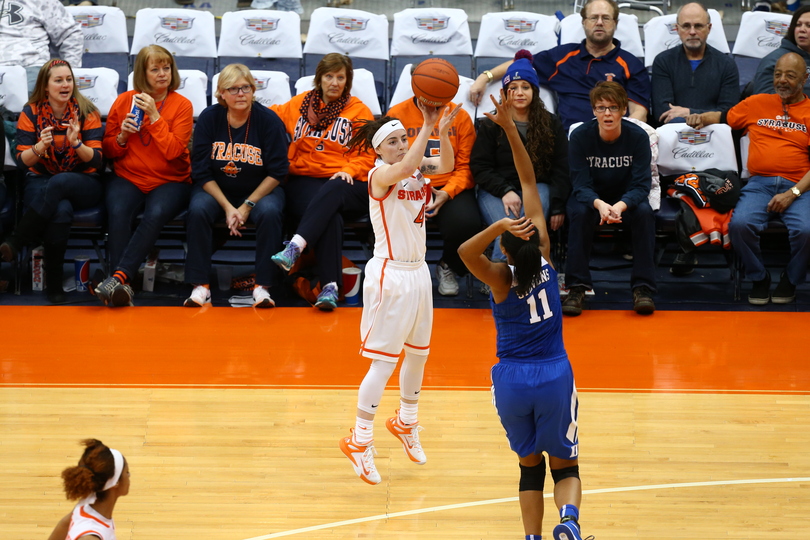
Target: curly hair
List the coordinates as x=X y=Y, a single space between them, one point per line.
x=95 y=467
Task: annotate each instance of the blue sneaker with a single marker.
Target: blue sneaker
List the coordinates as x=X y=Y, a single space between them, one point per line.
x=568 y=530
x=286 y=258
x=327 y=300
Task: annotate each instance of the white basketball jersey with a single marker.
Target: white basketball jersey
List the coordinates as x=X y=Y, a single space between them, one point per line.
x=399 y=219
x=86 y=521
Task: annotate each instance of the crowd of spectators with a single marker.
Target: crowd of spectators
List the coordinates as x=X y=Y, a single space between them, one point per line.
x=287 y=169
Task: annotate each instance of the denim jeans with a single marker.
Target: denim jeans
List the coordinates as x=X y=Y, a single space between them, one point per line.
x=204 y=210
x=491 y=208
x=56 y=197
x=583 y=221
x=128 y=248
x=751 y=217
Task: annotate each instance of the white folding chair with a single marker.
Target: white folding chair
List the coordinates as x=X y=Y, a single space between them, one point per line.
x=760 y=34
x=272 y=87
x=661 y=33
x=13 y=88
x=193 y=86
x=503 y=34
x=547 y=95
x=571 y=31
x=361 y=35
x=682 y=149
x=105 y=37
x=363 y=88
x=404 y=91
x=186 y=33
x=99 y=85
x=262 y=39
x=427 y=32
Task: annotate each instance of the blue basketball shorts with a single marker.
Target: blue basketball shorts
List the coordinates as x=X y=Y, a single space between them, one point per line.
x=538 y=405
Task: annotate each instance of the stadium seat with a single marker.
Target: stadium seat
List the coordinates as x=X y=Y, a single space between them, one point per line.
x=13 y=88
x=427 y=32
x=404 y=91
x=503 y=34
x=627 y=32
x=99 y=85
x=105 y=38
x=361 y=35
x=363 y=87
x=272 y=87
x=661 y=33
x=262 y=39
x=760 y=34
x=187 y=33
x=682 y=149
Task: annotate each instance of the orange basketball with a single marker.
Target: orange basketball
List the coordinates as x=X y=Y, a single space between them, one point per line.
x=434 y=82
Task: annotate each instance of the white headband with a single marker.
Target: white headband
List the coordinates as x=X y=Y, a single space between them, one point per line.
x=119 y=468
x=387 y=129
x=118 y=460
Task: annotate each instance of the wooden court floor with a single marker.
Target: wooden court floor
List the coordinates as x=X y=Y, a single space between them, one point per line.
x=693 y=425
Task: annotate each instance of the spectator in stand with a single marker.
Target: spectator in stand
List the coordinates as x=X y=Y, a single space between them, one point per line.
x=694 y=77
x=326 y=181
x=151 y=166
x=777 y=125
x=59 y=141
x=238 y=163
x=796 y=41
x=610 y=173
x=573 y=69
x=453 y=206
x=29 y=29
x=492 y=164
x=98 y=481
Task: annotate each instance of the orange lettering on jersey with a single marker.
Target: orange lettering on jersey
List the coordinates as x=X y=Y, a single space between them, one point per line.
x=217 y=148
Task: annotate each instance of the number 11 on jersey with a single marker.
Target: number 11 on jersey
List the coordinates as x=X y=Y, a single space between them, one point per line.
x=537 y=317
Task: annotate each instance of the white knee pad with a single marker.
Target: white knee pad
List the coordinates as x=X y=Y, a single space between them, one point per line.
x=411 y=375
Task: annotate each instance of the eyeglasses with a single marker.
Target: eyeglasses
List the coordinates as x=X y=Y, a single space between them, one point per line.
x=597 y=18
x=699 y=27
x=246 y=89
x=602 y=108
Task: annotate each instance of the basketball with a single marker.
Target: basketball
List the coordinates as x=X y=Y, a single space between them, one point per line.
x=434 y=82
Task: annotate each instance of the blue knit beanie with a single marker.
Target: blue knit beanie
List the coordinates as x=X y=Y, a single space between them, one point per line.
x=521 y=70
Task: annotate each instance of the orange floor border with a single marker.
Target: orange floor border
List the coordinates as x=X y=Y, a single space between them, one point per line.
x=612 y=351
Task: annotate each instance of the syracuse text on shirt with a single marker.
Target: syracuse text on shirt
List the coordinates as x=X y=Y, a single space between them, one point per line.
x=611 y=162
x=240 y=152
x=341 y=131
x=782 y=123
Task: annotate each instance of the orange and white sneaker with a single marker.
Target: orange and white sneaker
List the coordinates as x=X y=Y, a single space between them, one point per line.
x=408 y=434
x=362 y=458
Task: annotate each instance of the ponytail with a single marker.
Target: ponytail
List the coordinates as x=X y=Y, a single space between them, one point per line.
x=95 y=467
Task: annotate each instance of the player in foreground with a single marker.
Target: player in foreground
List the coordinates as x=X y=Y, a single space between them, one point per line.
x=533 y=383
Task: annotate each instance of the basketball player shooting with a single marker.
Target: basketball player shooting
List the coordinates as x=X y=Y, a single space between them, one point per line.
x=397 y=293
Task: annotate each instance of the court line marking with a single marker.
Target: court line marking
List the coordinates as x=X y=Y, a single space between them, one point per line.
x=514 y=499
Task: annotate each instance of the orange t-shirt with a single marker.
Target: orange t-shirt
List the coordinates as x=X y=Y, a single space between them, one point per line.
x=779 y=145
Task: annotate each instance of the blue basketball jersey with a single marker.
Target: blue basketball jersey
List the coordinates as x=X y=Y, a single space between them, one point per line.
x=530 y=328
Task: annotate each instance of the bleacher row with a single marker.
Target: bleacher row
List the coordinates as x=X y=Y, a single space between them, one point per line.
x=269 y=42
